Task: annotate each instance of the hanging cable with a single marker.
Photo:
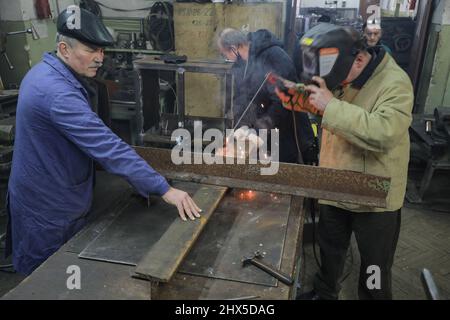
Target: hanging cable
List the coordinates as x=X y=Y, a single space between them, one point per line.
x=297 y=141
x=119 y=9
x=159 y=27
x=313 y=218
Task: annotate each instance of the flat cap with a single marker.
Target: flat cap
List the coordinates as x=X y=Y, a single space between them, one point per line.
x=89 y=29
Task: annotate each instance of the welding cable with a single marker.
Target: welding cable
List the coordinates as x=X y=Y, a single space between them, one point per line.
x=313 y=218
x=251 y=101
x=122 y=10
x=299 y=152
x=170 y=25
x=351 y=265
x=174 y=92
x=302 y=275
x=159 y=29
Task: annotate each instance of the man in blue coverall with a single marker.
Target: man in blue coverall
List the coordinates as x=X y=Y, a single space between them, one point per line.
x=58 y=137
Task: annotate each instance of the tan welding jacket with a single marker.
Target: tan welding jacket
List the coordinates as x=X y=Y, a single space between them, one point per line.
x=367 y=131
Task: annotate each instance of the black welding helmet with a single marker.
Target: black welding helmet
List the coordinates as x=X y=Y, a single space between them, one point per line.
x=329 y=51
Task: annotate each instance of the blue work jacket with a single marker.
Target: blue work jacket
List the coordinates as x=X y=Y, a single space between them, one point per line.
x=51 y=184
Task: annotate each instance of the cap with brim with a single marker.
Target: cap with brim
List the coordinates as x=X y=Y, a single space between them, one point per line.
x=92 y=31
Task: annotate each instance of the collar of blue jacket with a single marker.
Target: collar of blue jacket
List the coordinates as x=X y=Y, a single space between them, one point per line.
x=59 y=66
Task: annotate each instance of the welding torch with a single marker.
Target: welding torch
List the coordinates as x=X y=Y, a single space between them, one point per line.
x=293 y=97
x=279 y=83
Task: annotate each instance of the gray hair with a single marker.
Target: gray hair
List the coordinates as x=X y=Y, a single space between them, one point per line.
x=71 y=42
x=232 y=37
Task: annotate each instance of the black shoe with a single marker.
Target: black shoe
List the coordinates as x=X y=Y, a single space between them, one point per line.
x=310 y=295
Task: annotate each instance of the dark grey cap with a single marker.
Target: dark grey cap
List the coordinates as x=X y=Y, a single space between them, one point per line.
x=92 y=31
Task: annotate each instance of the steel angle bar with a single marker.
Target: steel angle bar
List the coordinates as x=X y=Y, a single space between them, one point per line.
x=300 y=180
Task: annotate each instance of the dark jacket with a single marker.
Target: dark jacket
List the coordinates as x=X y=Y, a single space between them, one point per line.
x=266 y=55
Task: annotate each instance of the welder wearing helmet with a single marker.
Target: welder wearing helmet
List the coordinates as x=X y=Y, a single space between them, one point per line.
x=365 y=100
x=58 y=137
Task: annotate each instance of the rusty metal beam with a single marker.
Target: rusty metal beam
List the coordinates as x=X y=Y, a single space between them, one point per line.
x=300 y=180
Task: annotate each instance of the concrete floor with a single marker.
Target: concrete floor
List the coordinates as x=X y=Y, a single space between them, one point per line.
x=424 y=243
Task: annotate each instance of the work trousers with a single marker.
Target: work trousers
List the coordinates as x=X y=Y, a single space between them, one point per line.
x=376 y=234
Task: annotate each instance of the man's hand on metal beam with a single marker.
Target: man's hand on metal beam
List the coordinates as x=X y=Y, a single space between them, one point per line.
x=183 y=202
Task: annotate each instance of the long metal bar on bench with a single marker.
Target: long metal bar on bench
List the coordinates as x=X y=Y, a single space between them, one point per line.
x=300 y=180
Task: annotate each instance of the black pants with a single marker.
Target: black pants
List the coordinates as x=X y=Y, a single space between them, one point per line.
x=376 y=234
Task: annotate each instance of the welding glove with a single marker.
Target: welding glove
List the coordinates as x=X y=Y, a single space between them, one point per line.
x=296 y=98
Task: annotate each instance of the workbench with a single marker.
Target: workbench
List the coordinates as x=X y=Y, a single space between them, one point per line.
x=136 y=248
x=103 y=280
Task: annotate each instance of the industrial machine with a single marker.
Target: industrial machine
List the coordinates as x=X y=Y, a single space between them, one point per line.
x=8 y=103
x=3 y=41
x=431 y=134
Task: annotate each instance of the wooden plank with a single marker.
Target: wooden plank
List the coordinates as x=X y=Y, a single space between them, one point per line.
x=164 y=258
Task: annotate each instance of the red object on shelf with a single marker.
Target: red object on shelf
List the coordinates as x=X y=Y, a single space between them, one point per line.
x=42 y=9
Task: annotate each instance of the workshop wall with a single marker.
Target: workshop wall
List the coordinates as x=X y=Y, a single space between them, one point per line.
x=196 y=29
x=340 y=4
x=117 y=7
x=434 y=88
x=397 y=8
x=24 y=51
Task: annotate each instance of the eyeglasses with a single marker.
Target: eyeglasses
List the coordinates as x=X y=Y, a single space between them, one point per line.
x=229 y=50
